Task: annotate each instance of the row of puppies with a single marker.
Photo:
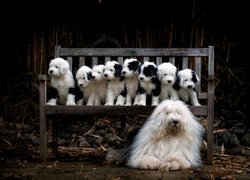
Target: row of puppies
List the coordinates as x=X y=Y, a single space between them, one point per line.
x=132 y=83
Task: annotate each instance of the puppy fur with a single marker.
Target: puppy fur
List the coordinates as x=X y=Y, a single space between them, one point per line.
x=62 y=83
x=167 y=75
x=115 y=86
x=185 y=84
x=149 y=84
x=99 y=83
x=130 y=73
x=86 y=86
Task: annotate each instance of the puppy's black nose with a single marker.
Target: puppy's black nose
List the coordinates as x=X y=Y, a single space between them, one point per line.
x=80 y=84
x=51 y=71
x=169 y=81
x=93 y=77
x=189 y=86
x=123 y=72
x=105 y=75
x=141 y=78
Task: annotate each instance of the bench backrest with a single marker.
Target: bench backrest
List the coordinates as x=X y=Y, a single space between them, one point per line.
x=201 y=60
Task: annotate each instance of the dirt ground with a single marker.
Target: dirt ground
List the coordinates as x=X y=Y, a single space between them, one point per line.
x=224 y=167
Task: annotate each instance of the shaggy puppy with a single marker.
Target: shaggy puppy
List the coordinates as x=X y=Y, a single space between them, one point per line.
x=149 y=84
x=85 y=84
x=115 y=85
x=170 y=139
x=130 y=74
x=62 y=83
x=99 y=83
x=167 y=76
x=185 y=84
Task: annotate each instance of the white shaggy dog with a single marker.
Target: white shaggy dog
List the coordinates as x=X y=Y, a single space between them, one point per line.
x=170 y=139
x=115 y=85
x=130 y=74
x=167 y=76
x=62 y=83
x=149 y=84
x=85 y=84
x=185 y=84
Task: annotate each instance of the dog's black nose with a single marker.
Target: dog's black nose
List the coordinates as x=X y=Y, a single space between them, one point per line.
x=123 y=72
x=141 y=78
x=93 y=77
x=169 y=81
x=105 y=75
x=51 y=71
x=80 y=84
x=189 y=86
x=175 y=122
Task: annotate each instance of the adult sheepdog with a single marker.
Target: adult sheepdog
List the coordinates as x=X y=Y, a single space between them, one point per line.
x=185 y=84
x=170 y=139
x=149 y=84
x=62 y=83
x=167 y=75
x=115 y=85
x=130 y=73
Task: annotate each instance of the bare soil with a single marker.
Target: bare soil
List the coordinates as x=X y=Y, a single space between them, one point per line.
x=224 y=167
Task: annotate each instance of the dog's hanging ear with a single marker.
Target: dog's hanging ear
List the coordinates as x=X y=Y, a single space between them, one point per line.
x=195 y=78
x=64 y=67
x=88 y=76
x=118 y=70
x=176 y=85
x=134 y=65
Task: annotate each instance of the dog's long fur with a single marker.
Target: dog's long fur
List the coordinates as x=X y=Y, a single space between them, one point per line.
x=115 y=86
x=185 y=84
x=167 y=75
x=149 y=84
x=170 y=139
x=62 y=83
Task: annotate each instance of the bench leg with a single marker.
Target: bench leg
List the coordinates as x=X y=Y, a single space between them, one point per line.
x=54 y=138
x=43 y=136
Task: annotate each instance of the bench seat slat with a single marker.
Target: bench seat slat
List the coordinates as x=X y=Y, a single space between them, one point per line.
x=113 y=110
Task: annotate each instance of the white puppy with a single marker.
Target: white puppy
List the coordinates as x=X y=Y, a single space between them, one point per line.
x=62 y=83
x=170 y=139
x=84 y=82
x=115 y=85
x=185 y=84
x=130 y=74
x=149 y=84
x=99 y=83
x=167 y=76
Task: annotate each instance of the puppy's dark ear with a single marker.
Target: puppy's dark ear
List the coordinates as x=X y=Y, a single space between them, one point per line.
x=118 y=70
x=195 y=78
x=176 y=85
x=134 y=65
x=89 y=76
x=139 y=68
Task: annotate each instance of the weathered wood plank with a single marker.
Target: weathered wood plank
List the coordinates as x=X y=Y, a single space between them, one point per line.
x=115 y=110
x=133 y=51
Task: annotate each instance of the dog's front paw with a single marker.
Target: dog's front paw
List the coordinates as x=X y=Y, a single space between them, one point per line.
x=155 y=104
x=70 y=103
x=51 y=102
x=142 y=103
x=109 y=104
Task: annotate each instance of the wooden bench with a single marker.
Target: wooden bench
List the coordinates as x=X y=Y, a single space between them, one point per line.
x=199 y=59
